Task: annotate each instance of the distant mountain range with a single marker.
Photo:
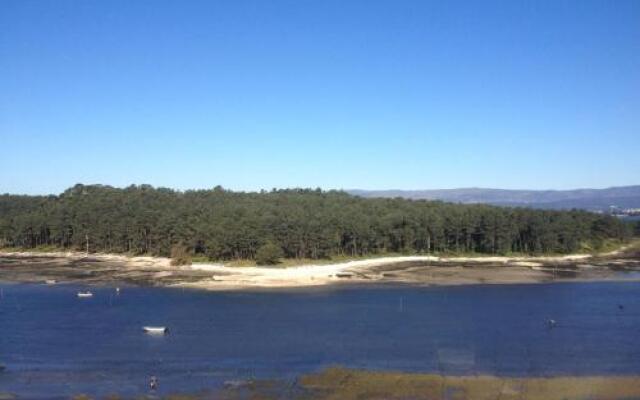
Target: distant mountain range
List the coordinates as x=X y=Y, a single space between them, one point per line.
x=588 y=199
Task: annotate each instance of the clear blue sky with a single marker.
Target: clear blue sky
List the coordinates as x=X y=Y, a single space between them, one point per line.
x=335 y=94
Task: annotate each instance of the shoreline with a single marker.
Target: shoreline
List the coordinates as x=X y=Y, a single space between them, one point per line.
x=421 y=270
x=352 y=384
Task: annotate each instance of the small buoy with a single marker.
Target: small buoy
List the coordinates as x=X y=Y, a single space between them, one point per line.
x=620 y=306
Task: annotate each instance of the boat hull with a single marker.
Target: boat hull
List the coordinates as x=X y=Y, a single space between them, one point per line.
x=156 y=330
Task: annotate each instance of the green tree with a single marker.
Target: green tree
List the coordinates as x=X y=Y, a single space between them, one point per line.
x=224 y=225
x=269 y=254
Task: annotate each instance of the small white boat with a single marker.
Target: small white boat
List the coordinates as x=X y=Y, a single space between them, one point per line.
x=85 y=294
x=50 y=281
x=157 y=330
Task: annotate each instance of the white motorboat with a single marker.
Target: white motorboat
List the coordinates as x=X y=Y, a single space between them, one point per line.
x=50 y=281
x=85 y=294
x=156 y=330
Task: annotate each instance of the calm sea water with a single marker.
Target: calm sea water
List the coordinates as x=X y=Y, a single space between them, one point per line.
x=54 y=344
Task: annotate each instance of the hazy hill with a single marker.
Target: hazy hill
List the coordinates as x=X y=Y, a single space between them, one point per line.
x=590 y=199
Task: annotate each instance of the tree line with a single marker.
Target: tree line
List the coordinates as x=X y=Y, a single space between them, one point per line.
x=221 y=224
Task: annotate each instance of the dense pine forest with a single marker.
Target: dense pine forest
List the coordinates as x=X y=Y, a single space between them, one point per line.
x=221 y=224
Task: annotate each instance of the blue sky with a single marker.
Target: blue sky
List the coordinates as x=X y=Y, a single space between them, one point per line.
x=331 y=94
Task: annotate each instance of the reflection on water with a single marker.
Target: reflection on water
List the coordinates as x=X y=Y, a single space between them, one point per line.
x=53 y=342
x=630 y=275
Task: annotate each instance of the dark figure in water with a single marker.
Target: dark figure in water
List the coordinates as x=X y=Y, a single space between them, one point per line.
x=551 y=323
x=620 y=306
x=153 y=382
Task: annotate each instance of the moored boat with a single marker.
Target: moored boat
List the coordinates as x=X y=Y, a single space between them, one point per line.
x=50 y=281
x=155 y=329
x=85 y=294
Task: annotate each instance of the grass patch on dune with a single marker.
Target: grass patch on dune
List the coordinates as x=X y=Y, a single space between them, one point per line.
x=37 y=249
x=296 y=262
x=345 y=384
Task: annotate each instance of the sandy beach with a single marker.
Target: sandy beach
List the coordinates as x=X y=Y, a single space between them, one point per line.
x=440 y=271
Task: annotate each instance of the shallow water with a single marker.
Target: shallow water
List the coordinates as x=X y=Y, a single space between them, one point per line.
x=54 y=344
